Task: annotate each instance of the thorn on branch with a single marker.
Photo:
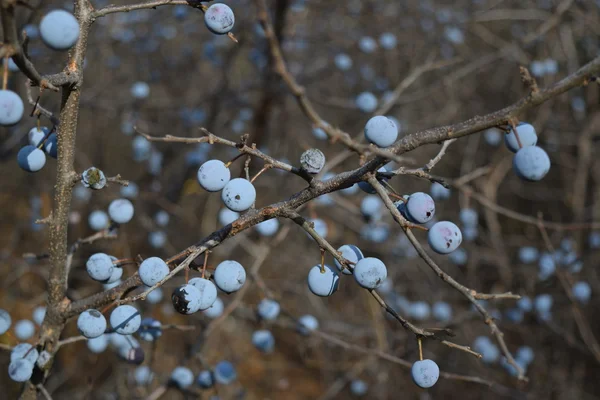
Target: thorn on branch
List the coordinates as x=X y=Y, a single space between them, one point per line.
x=528 y=80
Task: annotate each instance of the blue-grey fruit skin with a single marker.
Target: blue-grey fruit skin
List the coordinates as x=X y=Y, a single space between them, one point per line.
x=91 y=323
x=182 y=377
x=527 y=137
x=531 y=163
x=51 y=146
x=323 y=283
x=425 y=373
x=268 y=309
x=444 y=237
x=59 y=30
x=219 y=19
x=31 y=159
x=351 y=253
x=370 y=272
x=125 y=319
x=263 y=340
x=5 y=321
x=205 y=379
x=358 y=387
x=225 y=372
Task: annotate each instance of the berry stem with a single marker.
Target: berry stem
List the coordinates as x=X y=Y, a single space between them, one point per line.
x=322 y=260
x=233 y=160
x=420 y=348
x=514 y=129
x=266 y=167
x=5 y=74
x=205 y=262
x=43 y=141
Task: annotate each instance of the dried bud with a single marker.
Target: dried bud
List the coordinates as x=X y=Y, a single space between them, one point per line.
x=312 y=161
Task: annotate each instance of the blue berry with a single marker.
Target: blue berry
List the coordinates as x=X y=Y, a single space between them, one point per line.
x=387 y=40
x=238 y=195
x=375 y=232
x=320 y=226
x=319 y=133
x=162 y=218
x=225 y=372
x=351 y=253
x=93 y=178
x=130 y=191
x=99 y=266
x=366 y=186
x=51 y=145
x=208 y=291
x=528 y=254
x=98 y=220
x=121 y=211
x=439 y=192
x=582 y=292
x=91 y=323
x=366 y=102
x=419 y=310
x=182 y=377
x=152 y=270
x=525 y=354
x=219 y=18
x=344 y=63
x=20 y=370
x=367 y=44
x=24 y=329
x=358 y=387
x=116 y=274
x=525 y=304
x=527 y=136
x=420 y=207
x=594 y=240
x=5 y=321
x=142 y=148
x=371 y=207
x=381 y=131
x=125 y=319
x=205 y=379
x=140 y=90
x=230 y=276
x=268 y=309
x=98 y=345
x=489 y=351
x=307 y=323
x=213 y=175
x=155 y=296
x=143 y=375
x=323 y=283
x=459 y=257
x=444 y=237
x=226 y=216
x=24 y=351
x=370 y=272
x=186 y=299
x=216 y=310
x=11 y=108
x=442 y=311
x=31 y=159
x=36 y=135
x=468 y=217
x=268 y=228
x=546 y=265
x=263 y=340
x=425 y=373
x=59 y=29
x=157 y=239
x=492 y=137
x=531 y=163
x=543 y=303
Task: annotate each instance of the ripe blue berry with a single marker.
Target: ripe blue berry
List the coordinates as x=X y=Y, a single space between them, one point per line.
x=425 y=373
x=153 y=270
x=528 y=254
x=230 y=276
x=319 y=226
x=150 y=329
x=319 y=133
x=582 y=292
x=268 y=309
x=5 y=321
x=11 y=108
x=525 y=304
x=208 y=291
x=98 y=220
x=24 y=351
x=307 y=323
x=370 y=272
x=121 y=211
x=182 y=377
x=143 y=375
x=238 y=195
x=444 y=237
x=419 y=310
x=213 y=175
x=31 y=159
x=387 y=40
x=226 y=216
x=93 y=178
x=358 y=387
x=20 y=370
x=543 y=303
x=439 y=192
x=525 y=354
x=323 y=283
x=492 y=137
x=205 y=379
x=216 y=310
x=351 y=253
x=36 y=135
x=91 y=323
x=98 y=345
x=459 y=257
x=125 y=319
x=225 y=372
x=531 y=163
x=343 y=62
x=420 y=207
x=51 y=145
x=140 y=90
x=99 y=266
x=186 y=299
x=489 y=351
x=468 y=217
x=366 y=186
x=59 y=30
x=366 y=102
x=157 y=239
x=371 y=207
x=367 y=44
x=263 y=340
x=442 y=311
x=381 y=131
x=219 y=18
x=268 y=228
x=24 y=329
x=527 y=136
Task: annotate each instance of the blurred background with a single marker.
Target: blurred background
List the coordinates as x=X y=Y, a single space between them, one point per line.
x=162 y=71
